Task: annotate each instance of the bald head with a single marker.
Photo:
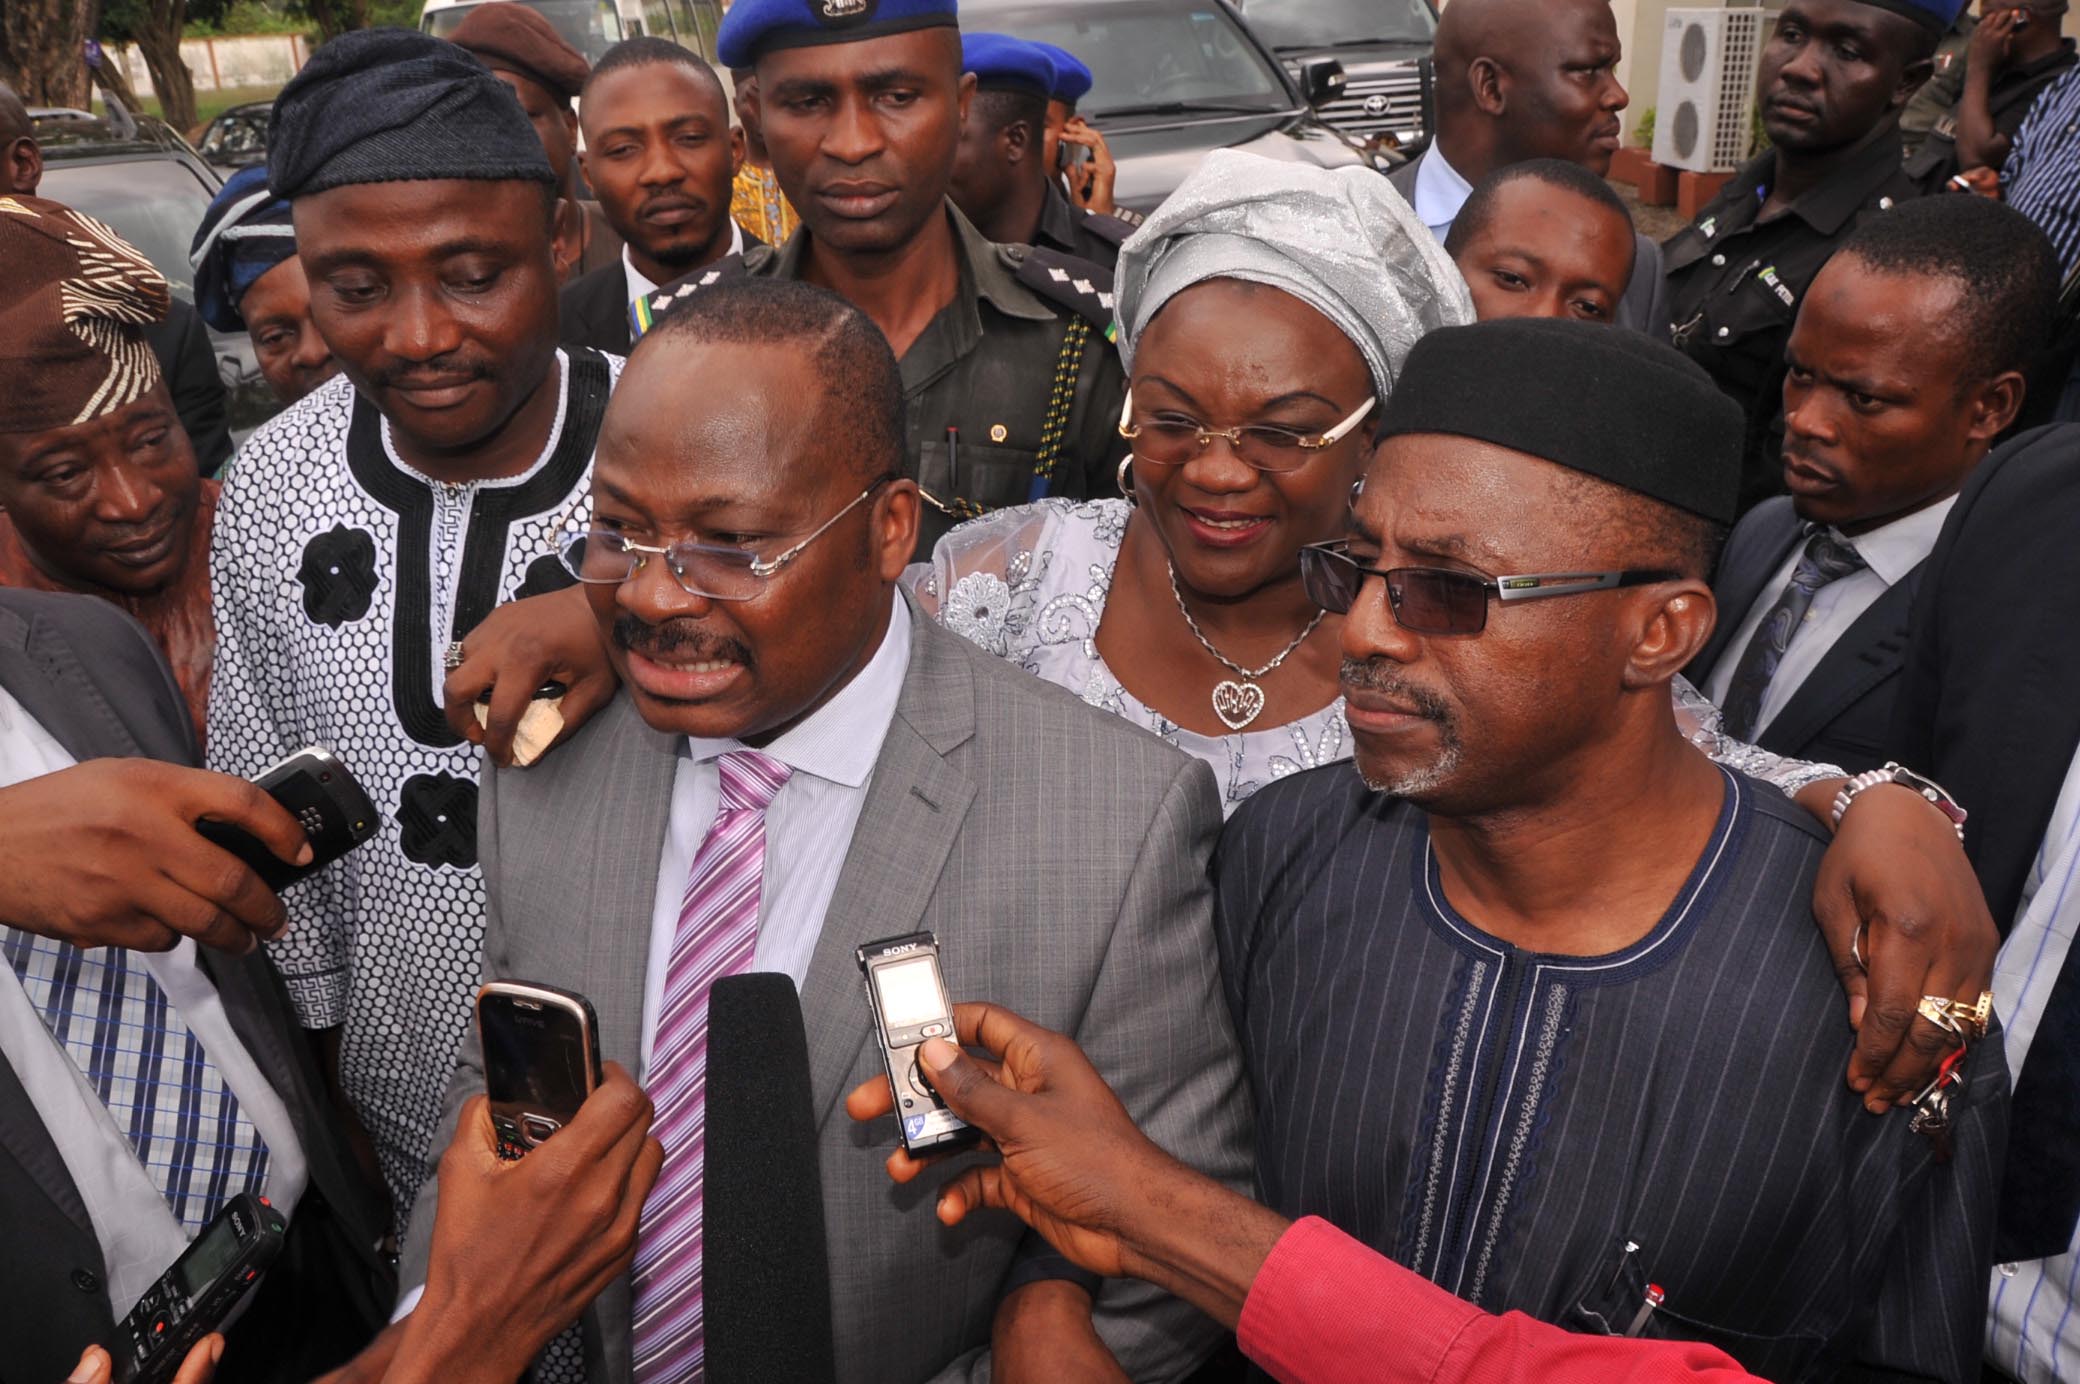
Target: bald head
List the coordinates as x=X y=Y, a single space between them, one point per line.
x=21 y=162
x=1527 y=79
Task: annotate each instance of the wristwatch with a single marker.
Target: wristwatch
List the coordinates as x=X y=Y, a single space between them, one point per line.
x=1931 y=792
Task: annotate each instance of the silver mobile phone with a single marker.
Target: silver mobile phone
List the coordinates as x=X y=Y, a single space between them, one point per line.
x=908 y=998
x=541 y=1059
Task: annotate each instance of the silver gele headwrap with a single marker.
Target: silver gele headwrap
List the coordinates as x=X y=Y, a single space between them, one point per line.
x=1342 y=241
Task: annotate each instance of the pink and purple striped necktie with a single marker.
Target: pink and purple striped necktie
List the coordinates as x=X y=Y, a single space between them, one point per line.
x=716 y=936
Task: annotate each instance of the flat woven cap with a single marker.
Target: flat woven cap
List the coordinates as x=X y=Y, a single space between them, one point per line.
x=1597 y=399
x=753 y=28
x=395 y=105
x=73 y=306
x=514 y=38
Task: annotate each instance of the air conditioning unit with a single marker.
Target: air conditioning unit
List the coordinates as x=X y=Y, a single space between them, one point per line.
x=1708 y=59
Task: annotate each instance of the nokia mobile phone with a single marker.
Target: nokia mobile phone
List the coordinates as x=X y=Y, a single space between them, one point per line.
x=315 y=789
x=541 y=1059
x=908 y=998
x=195 y=1297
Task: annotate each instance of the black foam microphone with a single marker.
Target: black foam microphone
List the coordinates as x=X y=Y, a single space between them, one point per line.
x=765 y=1268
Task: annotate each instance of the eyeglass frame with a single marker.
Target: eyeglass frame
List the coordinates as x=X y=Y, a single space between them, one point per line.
x=1521 y=586
x=1319 y=442
x=764 y=569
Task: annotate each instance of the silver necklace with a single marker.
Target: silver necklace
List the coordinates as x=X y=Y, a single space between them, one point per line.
x=1237 y=703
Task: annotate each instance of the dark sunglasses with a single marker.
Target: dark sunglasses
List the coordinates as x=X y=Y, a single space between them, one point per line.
x=1437 y=600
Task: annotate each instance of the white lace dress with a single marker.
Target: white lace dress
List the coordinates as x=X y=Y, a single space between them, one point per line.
x=1029 y=585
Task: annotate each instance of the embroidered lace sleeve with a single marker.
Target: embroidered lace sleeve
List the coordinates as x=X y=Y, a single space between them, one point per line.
x=981 y=582
x=1700 y=722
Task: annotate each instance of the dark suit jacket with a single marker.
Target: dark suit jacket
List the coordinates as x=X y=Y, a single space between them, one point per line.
x=188 y=359
x=1644 y=308
x=1842 y=713
x=90 y=676
x=1989 y=701
x=594 y=307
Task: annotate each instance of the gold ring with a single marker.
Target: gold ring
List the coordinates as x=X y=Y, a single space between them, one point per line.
x=1955 y=1016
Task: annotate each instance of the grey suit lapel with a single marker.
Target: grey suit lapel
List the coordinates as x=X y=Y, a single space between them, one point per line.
x=915 y=805
x=44 y=676
x=1744 y=583
x=633 y=781
x=1869 y=651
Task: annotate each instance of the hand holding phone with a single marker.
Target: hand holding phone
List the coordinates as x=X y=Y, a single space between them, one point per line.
x=104 y=855
x=315 y=788
x=541 y=1059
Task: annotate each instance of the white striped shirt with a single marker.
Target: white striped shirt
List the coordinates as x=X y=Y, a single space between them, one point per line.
x=2034 y=1332
x=2042 y=176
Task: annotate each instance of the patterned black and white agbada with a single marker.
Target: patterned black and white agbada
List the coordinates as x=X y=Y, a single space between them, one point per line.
x=341 y=576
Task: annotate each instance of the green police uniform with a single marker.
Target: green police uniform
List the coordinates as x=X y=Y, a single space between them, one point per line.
x=2008 y=100
x=1085 y=234
x=1735 y=281
x=1014 y=389
x=1938 y=95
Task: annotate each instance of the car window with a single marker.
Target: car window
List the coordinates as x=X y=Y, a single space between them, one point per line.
x=1335 y=23
x=155 y=204
x=236 y=134
x=590 y=26
x=1152 y=54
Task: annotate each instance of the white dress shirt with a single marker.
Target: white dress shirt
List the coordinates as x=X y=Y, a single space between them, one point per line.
x=639 y=283
x=2033 y=1332
x=808 y=826
x=136 y=1230
x=1889 y=552
x=1440 y=192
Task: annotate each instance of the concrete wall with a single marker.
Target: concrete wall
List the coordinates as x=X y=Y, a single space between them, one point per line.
x=261 y=60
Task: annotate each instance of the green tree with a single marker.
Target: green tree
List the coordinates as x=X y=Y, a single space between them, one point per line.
x=42 y=50
x=155 y=26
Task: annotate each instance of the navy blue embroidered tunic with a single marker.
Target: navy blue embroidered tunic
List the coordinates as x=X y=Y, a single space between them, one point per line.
x=1552 y=1134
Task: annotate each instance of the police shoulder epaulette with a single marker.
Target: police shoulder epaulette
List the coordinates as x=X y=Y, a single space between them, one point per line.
x=1113 y=230
x=647 y=310
x=1065 y=280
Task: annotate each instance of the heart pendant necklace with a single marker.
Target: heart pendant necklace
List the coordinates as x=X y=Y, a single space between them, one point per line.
x=1237 y=700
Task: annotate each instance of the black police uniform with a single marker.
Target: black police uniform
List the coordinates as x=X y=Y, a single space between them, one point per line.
x=1735 y=282
x=1087 y=235
x=1014 y=389
x=2008 y=101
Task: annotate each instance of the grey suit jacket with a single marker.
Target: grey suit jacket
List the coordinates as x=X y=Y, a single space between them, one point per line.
x=90 y=676
x=1059 y=854
x=1644 y=308
x=1843 y=712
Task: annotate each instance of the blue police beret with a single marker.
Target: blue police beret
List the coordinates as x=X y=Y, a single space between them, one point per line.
x=1003 y=63
x=753 y=28
x=1072 y=80
x=1934 y=15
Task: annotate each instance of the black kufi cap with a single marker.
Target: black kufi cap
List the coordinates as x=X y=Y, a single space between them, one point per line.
x=395 y=105
x=1602 y=400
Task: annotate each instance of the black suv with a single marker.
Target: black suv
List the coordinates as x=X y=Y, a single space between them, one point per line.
x=1175 y=79
x=142 y=178
x=1382 y=45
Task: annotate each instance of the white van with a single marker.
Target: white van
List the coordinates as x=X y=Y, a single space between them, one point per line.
x=593 y=26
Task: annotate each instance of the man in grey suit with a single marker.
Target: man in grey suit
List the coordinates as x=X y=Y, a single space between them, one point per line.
x=1528 y=79
x=870 y=775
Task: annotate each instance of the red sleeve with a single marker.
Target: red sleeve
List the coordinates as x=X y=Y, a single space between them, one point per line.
x=1324 y=1309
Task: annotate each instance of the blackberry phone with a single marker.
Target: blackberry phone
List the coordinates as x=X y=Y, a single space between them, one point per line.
x=196 y=1296
x=541 y=1059
x=908 y=997
x=315 y=789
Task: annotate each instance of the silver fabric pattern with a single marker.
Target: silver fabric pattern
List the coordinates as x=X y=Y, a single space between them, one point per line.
x=1342 y=241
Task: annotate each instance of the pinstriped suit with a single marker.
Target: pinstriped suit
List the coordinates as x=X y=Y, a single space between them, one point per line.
x=1507 y=1124
x=1059 y=854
